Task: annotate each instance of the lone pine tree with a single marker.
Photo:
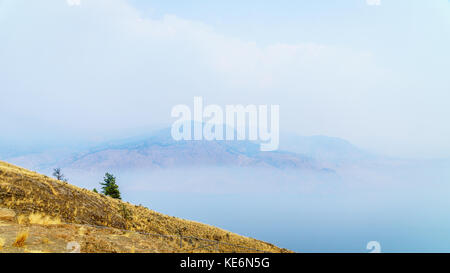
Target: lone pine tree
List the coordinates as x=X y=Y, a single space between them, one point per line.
x=109 y=186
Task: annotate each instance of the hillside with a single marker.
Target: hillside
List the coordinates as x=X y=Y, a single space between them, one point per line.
x=161 y=151
x=50 y=214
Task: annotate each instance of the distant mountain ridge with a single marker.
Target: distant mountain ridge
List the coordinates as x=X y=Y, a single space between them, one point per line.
x=161 y=151
x=158 y=150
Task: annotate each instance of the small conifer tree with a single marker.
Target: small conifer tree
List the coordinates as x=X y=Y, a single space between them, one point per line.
x=109 y=186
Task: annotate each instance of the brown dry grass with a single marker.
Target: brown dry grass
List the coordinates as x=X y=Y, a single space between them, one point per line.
x=38 y=199
x=21 y=238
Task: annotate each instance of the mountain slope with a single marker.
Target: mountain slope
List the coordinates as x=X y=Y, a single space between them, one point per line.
x=161 y=151
x=30 y=195
x=157 y=150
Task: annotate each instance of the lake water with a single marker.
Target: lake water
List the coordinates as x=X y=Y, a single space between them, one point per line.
x=406 y=208
x=407 y=215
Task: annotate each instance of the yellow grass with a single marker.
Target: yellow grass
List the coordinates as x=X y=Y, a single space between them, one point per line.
x=41 y=219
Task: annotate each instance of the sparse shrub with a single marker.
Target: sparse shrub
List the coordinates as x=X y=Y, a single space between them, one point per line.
x=126 y=214
x=22 y=220
x=41 y=219
x=38 y=219
x=57 y=173
x=95 y=190
x=109 y=187
x=21 y=238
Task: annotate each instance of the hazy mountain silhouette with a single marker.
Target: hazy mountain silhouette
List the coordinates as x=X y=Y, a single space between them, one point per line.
x=161 y=151
x=158 y=150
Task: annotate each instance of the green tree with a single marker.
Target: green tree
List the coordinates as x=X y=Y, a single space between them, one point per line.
x=109 y=187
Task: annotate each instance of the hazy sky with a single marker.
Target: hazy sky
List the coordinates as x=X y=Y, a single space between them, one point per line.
x=377 y=76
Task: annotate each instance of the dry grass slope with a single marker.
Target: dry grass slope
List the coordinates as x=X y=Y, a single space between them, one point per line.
x=40 y=200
